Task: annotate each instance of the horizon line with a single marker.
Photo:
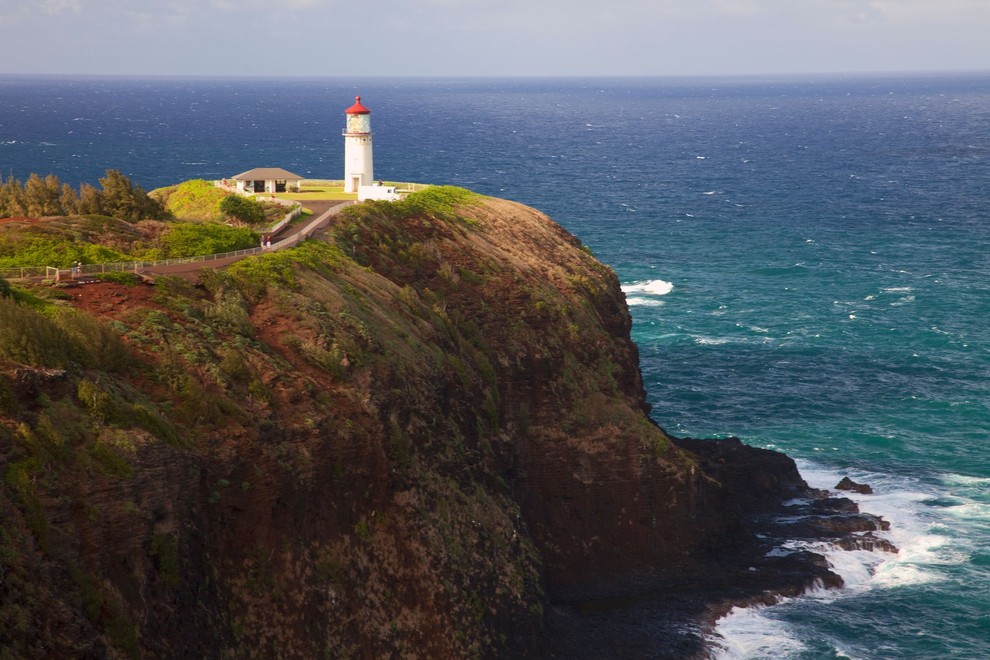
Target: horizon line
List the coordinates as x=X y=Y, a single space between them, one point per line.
x=548 y=76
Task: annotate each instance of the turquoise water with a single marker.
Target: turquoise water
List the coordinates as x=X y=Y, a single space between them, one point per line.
x=807 y=263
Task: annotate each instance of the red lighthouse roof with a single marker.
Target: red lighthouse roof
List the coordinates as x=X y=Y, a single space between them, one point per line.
x=357 y=108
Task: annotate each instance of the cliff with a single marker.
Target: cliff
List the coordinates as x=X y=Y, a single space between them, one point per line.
x=422 y=434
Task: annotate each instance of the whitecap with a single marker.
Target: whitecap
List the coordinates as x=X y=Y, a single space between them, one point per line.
x=644 y=302
x=649 y=287
x=965 y=480
x=711 y=341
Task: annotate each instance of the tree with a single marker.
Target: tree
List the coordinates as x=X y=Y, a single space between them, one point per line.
x=41 y=196
x=68 y=199
x=90 y=201
x=11 y=199
x=127 y=201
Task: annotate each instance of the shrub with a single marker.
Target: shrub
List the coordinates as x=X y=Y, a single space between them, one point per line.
x=196 y=199
x=243 y=209
x=58 y=338
x=188 y=239
x=29 y=337
x=58 y=252
x=277 y=269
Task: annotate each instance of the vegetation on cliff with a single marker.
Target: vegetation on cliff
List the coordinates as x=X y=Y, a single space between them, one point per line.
x=405 y=437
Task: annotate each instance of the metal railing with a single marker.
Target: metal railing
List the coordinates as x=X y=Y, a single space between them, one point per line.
x=35 y=272
x=22 y=272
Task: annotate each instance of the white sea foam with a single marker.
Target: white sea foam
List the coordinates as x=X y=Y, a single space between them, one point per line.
x=711 y=341
x=636 y=290
x=750 y=633
x=643 y=302
x=925 y=545
x=965 y=480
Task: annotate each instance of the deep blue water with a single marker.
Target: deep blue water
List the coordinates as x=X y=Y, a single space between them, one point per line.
x=807 y=263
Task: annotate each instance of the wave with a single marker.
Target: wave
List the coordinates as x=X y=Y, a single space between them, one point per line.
x=649 y=287
x=747 y=632
x=922 y=532
x=644 y=302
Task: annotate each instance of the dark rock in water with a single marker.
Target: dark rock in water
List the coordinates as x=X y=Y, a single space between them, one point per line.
x=866 y=541
x=823 y=527
x=833 y=505
x=850 y=485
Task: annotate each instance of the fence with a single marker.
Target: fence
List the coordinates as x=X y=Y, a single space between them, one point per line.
x=289 y=217
x=24 y=273
x=35 y=272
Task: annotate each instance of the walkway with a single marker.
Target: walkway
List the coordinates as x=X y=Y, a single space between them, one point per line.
x=290 y=235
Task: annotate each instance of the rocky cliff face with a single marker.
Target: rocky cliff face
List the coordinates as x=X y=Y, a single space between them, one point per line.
x=423 y=434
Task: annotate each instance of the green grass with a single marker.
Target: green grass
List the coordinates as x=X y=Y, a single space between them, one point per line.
x=317 y=190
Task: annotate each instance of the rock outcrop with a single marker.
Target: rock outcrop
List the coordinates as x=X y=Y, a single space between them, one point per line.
x=423 y=434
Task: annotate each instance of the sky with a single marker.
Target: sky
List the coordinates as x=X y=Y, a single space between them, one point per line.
x=492 y=37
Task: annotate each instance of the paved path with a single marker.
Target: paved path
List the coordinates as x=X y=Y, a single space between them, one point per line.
x=323 y=210
x=293 y=229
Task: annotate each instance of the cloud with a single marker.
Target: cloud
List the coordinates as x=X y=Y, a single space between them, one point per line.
x=494 y=37
x=271 y=6
x=58 y=6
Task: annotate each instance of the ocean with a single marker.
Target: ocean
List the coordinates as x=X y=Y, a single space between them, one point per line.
x=807 y=263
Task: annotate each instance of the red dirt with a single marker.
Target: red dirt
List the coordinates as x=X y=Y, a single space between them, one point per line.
x=110 y=298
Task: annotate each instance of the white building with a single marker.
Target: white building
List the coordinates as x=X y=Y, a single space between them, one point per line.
x=358 y=165
x=359 y=176
x=266 y=180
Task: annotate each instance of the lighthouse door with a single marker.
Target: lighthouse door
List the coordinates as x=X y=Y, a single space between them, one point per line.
x=355 y=183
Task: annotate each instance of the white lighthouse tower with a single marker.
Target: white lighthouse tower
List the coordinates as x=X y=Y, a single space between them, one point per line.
x=358 y=169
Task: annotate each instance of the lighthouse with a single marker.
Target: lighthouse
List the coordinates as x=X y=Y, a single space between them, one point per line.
x=358 y=170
